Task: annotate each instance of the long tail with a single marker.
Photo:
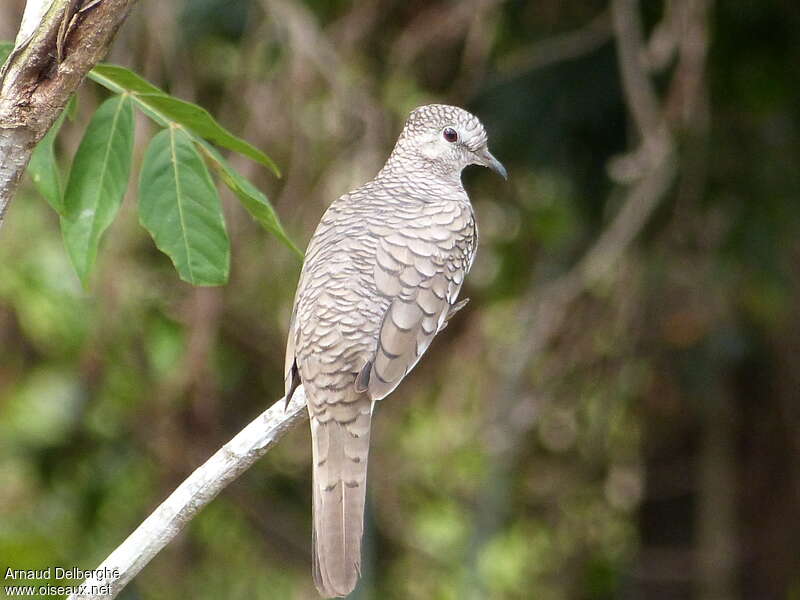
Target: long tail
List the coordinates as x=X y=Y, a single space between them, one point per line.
x=340 y=451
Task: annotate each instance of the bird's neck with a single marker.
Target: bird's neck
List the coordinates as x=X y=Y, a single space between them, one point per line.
x=407 y=167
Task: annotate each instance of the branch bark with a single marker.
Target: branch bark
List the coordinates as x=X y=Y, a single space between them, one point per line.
x=58 y=43
x=200 y=488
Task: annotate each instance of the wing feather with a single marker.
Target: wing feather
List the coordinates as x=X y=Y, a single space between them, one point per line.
x=421 y=271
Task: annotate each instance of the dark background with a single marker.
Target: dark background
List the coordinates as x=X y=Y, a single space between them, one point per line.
x=615 y=415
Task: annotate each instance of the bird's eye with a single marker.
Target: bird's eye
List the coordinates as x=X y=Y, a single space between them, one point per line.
x=450 y=134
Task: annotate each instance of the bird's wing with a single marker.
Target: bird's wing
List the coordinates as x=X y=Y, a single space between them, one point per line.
x=421 y=269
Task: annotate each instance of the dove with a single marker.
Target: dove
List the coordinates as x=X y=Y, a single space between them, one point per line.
x=381 y=277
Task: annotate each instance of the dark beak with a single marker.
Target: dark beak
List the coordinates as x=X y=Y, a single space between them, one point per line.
x=487 y=160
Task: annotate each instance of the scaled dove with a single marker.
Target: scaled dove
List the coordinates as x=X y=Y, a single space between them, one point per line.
x=381 y=278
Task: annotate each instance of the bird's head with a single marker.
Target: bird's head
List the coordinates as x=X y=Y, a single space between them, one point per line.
x=448 y=138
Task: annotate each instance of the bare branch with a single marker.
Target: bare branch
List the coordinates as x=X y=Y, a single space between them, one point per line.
x=200 y=488
x=641 y=97
x=58 y=43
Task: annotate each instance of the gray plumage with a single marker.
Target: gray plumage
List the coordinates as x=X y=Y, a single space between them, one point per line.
x=381 y=277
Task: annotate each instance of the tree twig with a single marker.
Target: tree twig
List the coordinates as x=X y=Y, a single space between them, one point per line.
x=200 y=488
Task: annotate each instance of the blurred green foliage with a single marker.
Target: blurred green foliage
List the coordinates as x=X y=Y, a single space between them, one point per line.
x=648 y=450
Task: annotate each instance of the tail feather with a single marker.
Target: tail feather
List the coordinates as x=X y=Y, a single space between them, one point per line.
x=340 y=480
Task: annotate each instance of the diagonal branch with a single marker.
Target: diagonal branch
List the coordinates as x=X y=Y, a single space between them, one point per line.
x=200 y=488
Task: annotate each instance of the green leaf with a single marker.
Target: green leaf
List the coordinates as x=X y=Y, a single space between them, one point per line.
x=43 y=168
x=72 y=107
x=165 y=109
x=5 y=50
x=119 y=79
x=199 y=121
x=250 y=196
x=98 y=181
x=180 y=207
